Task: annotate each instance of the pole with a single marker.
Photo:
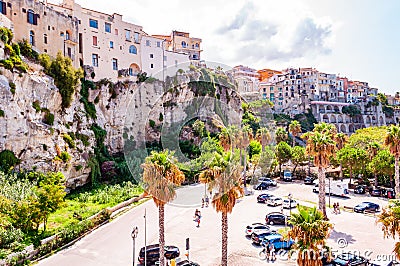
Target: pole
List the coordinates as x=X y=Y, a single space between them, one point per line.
x=145 y=239
x=329 y=181
x=134 y=235
x=309 y=170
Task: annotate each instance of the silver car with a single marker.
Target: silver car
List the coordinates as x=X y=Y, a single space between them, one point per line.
x=257 y=228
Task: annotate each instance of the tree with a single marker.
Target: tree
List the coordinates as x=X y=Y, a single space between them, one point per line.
x=267 y=158
x=294 y=129
x=298 y=156
x=225 y=176
x=352 y=158
x=321 y=146
x=50 y=193
x=281 y=134
x=389 y=218
x=341 y=140
x=382 y=164
x=199 y=128
x=283 y=154
x=254 y=148
x=392 y=141
x=264 y=137
x=372 y=150
x=244 y=136
x=227 y=138
x=310 y=232
x=160 y=176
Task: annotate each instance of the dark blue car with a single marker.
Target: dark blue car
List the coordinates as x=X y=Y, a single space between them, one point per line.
x=366 y=206
x=262 y=198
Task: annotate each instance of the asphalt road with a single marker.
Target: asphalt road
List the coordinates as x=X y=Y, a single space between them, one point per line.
x=112 y=243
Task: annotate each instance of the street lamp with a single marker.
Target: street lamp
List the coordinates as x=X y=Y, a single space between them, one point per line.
x=329 y=184
x=134 y=234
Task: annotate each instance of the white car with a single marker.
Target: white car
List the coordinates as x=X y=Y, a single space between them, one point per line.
x=256 y=228
x=288 y=204
x=274 y=201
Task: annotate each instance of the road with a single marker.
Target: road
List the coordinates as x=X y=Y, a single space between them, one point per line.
x=112 y=243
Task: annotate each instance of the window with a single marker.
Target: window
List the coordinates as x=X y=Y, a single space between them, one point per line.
x=127 y=35
x=95 y=60
x=3 y=8
x=69 y=52
x=115 y=64
x=32 y=17
x=151 y=66
x=148 y=43
x=32 y=38
x=158 y=44
x=111 y=44
x=184 y=44
x=45 y=38
x=151 y=56
x=130 y=71
x=95 y=40
x=116 y=31
x=107 y=27
x=67 y=36
x=197 y=45
x=132 y=49
x=93 y=23
x=136 y=37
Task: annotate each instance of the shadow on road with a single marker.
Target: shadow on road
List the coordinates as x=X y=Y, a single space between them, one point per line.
x=335 y=235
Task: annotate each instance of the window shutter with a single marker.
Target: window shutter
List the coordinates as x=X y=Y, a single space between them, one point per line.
x=35 y=17
x=4 y=8
x=27 y=18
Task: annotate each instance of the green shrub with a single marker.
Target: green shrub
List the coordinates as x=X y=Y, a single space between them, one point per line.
x=48 y=118
x=78 y=167
x=36 y=106
x=152 y=123
x=84 y=138
x=12 y=87
x=7 y=64
x=89 y=107
x=27 y=51
x=6 y=35
x=1 y=113
x=8 y=160
x=64 y=156
x=45 y=61
x=71 y=143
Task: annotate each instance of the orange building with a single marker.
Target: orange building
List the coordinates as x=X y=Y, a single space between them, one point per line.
x=267 y=73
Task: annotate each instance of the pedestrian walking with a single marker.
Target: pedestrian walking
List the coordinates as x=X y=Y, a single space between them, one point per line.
x=202 y=202
x=281 y=208
x=272 y=251
x=207 y=201
x=337 y=208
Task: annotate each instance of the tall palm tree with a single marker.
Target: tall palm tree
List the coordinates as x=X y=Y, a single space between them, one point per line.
x=225 y=176
x=245 y=135
x=228 y=138
x=281 y=134
x=310 y=231
x=392 y=141
x=160 y=177
x=390 y=220
x=341 y=139
x=321 y=146
x=294 y=129
x=373 y=149
x=264 y=137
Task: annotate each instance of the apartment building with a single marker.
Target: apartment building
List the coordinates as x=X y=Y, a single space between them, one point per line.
x=181 y=42
x=47 y=30
x=266 y=73
x=157 y=61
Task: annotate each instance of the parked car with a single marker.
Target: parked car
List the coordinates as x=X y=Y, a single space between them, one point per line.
x=268 y=181
x=258 y=238
x=388 y=193
x=278 y=241
x=187 y=263
x=153 y=253
x=262 y=198
x=315 y=188
x=375 y=192
x=383 y=263
x=256 y=228
x=360 y=189
x=276 y=218
x=274 y=201
x=349 y=259
x=309 y=180
x=287 y=176
x=366 y=206
x=261 y=186
x=288 y=204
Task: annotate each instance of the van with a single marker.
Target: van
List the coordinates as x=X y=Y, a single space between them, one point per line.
x=287 y=176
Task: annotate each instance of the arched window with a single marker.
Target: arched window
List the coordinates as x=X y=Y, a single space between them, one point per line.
x=67 y=35
x=184 y=44
x=45 y=38
x=32 y=17
x=132 y=49
x=32 y=38
x=197 y=45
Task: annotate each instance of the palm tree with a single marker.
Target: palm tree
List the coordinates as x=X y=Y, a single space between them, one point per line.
x=281 y=134
x=245 y=135
x=264 y=137
x=373 y=149
x=390 y=220
x=294 y=129
x=310 y=231
x=392 y=141
x=160 y=177
x=225 y=178
x=341 y=139
x=321 y=146
x=228 y=138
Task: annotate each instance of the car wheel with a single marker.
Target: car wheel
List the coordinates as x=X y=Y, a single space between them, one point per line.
x=271 y=223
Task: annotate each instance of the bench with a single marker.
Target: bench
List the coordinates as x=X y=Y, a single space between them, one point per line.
x=348 y=209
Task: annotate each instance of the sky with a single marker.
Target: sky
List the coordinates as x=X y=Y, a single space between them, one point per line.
x=358 y=39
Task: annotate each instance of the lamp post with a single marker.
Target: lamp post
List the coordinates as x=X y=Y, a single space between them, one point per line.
x=290 y=204
x=134 y=234
x=329 y=184
x=145 y=238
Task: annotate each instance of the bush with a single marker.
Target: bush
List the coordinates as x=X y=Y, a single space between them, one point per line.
x=152 y=123
x=27 y=51
x=6 y=35
x=71 y=143
x=84 y=138
x=12 y=87
x=64 y=156
x=45 y=62
x=8 y=160
x=36 y=106
x=8 y=64
x=78 y=167
x=1 y=113
x=48 y=118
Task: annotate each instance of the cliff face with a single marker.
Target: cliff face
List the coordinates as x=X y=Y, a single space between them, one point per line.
x=36 y=141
